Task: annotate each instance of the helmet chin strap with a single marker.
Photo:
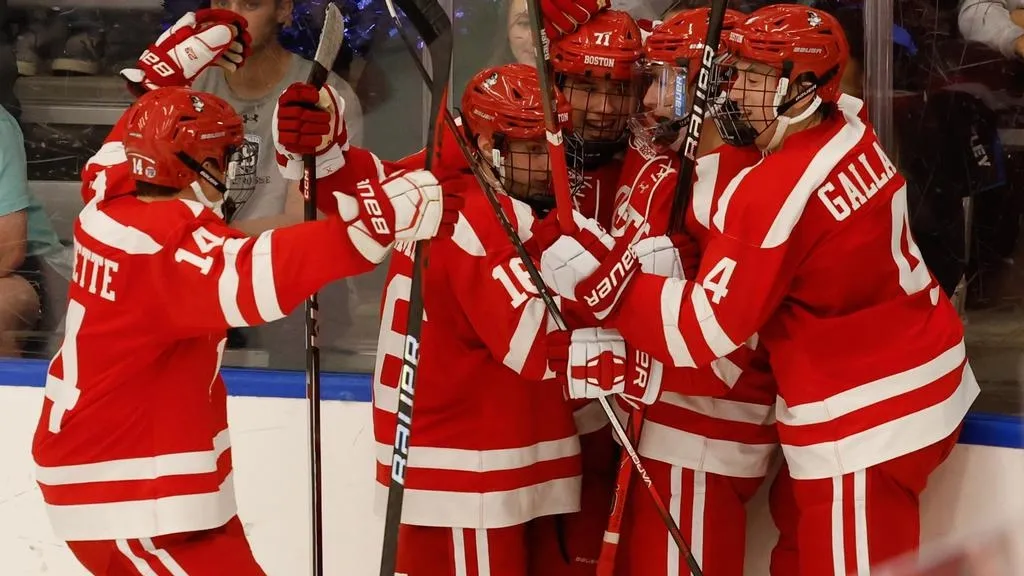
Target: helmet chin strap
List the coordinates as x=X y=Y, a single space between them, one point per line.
x=783 y=122
x=217 y=206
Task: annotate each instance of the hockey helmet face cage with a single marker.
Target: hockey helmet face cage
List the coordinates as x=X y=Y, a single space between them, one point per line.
x=671 y=64
x=594 y=67
x=779 y=67
x=172 y=132
x=502 y=109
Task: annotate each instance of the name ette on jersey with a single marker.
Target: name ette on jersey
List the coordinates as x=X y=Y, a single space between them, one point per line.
x=94 y=272
x=856 y=183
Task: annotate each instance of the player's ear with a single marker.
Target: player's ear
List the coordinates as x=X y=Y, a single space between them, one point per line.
x=485 y=144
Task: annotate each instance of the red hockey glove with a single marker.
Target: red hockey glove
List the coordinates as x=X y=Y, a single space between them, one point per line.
x=407 y=206
x=564 y=16
x=195 y=42
x=595 y=362
x=310 y=121
x=675 y=256
x=589 y=267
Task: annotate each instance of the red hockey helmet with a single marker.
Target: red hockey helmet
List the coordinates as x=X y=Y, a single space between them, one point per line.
x=605 y=47
x=172 y=131
x=506 y=100
x=801 y=42
x=680 y=39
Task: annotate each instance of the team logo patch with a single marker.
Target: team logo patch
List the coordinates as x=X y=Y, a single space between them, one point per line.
x=491 y=81
x=813 y=19
x=197 y=103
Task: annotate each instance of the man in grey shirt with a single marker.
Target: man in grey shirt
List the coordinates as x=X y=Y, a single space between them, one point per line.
x=270 y=201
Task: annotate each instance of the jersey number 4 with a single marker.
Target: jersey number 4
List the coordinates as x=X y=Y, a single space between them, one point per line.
x=914 y=275
x=913 y=272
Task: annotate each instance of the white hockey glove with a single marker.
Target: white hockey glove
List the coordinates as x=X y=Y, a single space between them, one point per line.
x=589 y=267
x=310 y=121
x=406 y=207
x=675 y=256
x=195 y=42
x=596 y=362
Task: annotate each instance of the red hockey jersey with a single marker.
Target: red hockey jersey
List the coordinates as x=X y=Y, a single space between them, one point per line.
x=132 y=441
x=717 y=418
x=491 y=445
x=814 y=254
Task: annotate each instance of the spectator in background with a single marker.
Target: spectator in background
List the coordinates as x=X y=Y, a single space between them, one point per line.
x=267 y=200
x=516 y=45
x=999 y=24
x=270 y=201
x=25 y=238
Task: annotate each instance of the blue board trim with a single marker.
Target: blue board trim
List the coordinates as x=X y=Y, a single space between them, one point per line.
x=980 y=428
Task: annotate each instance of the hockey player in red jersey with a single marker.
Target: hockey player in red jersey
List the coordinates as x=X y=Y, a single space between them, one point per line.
x=709 y=436
x=132 y=447
x=594 y=67
x=491 y=449
x=815 y=257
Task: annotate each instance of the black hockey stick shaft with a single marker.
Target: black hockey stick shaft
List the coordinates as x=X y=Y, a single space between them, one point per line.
x=695 y=120
x=434 y=27
x=330 y=42
x=560 y=178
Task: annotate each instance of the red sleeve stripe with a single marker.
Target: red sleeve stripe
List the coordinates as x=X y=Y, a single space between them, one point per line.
x=263 y=284
x=715 y=337
x=671 y=301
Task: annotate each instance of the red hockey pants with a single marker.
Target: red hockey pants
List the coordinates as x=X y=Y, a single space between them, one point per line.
x=431 y=551
x=216 y=552
x=710 y=511
x=847 y=524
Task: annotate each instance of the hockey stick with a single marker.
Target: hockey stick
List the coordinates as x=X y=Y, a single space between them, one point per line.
x=556 y=144
x=680 y=203
x=489 y=183
x=560 y=177
x=331 y=37
x=435 y=28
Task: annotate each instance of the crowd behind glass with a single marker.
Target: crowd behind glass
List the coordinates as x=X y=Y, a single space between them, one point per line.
x=957 y=92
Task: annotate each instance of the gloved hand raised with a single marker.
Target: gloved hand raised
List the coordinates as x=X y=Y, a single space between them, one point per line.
x=195 y=42
x=310 y=121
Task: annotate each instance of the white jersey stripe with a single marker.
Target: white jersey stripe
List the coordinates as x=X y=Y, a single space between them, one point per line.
x=263 y=285
x=227 y=285
x=164 y=557
x=138 y=563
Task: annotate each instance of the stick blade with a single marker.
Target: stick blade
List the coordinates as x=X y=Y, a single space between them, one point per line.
x=332 y=35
